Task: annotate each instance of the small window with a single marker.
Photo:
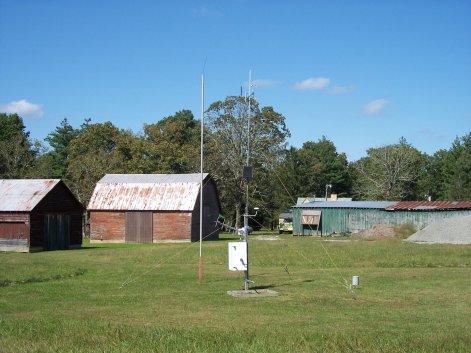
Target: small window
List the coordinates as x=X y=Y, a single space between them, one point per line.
x=311 y=217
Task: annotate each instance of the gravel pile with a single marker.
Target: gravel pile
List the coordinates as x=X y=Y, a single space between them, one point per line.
x=455 y=230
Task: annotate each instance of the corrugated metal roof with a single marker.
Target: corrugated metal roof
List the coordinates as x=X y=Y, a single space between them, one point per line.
x=348 y=204
x=18 y=195
x=152 y=178
x=391 y=205
x=146 y=192
x=430 y=205
x=303 y=200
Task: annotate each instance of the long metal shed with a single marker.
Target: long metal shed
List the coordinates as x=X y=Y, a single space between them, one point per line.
x=355 y=216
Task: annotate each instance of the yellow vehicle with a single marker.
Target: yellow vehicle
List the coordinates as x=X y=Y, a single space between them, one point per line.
x=285 y=222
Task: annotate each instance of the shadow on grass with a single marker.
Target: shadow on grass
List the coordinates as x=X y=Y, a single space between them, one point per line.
x=269 y=286
x=77 y=273
x=289 y=283
x=86 y=248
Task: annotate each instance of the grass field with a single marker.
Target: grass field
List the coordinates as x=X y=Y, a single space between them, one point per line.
x=146 y=298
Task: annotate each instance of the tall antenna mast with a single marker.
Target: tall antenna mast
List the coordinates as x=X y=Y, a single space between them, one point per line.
x=248 y=128
x=239 y=251
x=248 y=175
x=200 y=272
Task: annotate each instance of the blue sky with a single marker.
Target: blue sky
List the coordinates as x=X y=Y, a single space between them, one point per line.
x=363 y=73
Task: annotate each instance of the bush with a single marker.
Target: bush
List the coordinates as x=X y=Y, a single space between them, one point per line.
x=404 y=230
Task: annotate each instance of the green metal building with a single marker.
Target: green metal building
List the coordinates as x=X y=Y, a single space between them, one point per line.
x=324 y=218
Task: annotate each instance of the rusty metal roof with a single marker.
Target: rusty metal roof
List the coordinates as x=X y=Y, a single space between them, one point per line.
x=430 y=205
x=146 y=192
x=22 y=195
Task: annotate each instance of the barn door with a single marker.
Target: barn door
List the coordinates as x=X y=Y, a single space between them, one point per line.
x=56 y=231
x=138 y=227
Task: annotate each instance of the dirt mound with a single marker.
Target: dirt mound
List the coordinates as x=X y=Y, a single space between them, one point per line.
x=454 y=230
x=378 y=230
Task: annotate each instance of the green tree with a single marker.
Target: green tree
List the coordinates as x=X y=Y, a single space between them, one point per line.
x=133 y=149
x=99 y=149
x=457 y=170
x=43 y=165
x=431 y=179
x=228 y=146
x=287 y=181
x=16 y=158
x=319 y=164
x=389 y=173
x=60 y=140
x=17 y=153
x=172 y=144
x=11 y=125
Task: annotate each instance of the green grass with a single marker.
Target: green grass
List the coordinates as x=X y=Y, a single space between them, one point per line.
x=146 y=298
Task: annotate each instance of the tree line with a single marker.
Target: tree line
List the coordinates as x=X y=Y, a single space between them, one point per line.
x=82 y=155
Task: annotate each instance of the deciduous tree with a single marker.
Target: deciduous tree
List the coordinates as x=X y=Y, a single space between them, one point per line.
x=17 y=153
x=233 y=134
x=319 y=164
x=172 y=144
x=389 y=173
x=97 y=150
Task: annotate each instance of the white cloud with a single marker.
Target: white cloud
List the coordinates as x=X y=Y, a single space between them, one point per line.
x=264 y=83
x=313 y=83
x=23 y=108
x=376 y=106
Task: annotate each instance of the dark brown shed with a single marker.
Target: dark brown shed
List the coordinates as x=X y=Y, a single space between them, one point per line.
x=146 y=208
x=39 y=214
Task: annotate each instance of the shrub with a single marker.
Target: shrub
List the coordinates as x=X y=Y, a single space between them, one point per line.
x=404 y=230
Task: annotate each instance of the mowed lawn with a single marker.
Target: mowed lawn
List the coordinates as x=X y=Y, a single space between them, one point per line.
x=146 y=298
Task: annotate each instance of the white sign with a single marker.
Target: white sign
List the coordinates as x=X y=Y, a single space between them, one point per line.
x=237 y=256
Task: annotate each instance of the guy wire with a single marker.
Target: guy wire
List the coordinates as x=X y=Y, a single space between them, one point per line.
x=345 y=282
x=133 y=278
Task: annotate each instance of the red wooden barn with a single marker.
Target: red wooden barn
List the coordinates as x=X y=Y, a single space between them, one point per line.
x=39 y=214
x=146 y=208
